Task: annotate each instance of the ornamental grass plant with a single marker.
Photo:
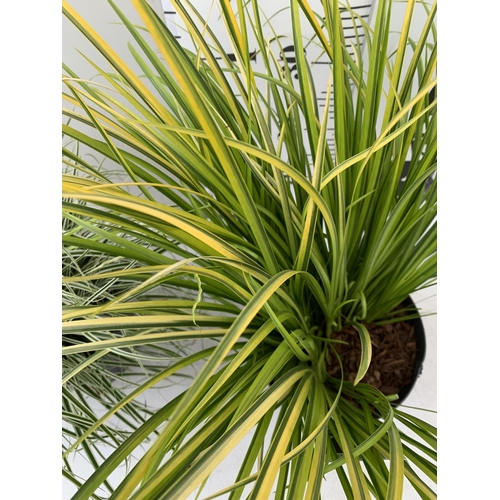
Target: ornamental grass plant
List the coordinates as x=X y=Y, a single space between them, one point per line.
x=233 y=220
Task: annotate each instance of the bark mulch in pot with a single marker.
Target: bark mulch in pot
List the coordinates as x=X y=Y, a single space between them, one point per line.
x=394 y=351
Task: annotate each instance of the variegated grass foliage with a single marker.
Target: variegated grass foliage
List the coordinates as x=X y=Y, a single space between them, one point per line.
x=100 y=379
x=223 y=232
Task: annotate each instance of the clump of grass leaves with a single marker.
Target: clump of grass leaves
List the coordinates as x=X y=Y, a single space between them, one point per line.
x=105 y=378
x=265 y=246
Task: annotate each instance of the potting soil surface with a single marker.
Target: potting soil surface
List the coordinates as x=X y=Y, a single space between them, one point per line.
x=394 y=352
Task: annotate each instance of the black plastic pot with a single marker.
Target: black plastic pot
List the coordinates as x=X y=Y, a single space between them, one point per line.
x=421 y=347
x=419 y=361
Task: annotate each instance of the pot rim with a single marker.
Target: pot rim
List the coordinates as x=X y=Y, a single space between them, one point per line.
x=419 y=330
